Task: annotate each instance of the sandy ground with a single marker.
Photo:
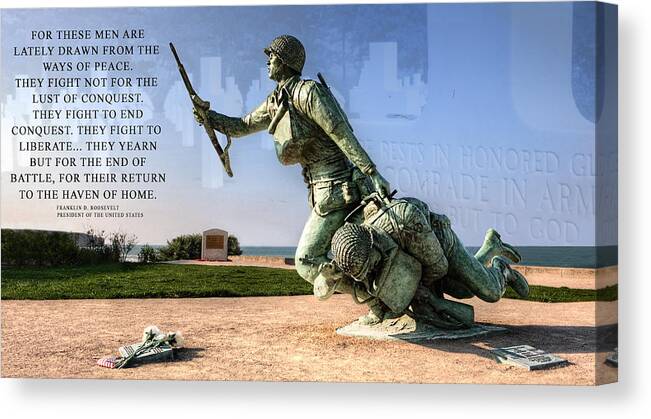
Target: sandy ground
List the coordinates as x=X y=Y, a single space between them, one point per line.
x=294 y=339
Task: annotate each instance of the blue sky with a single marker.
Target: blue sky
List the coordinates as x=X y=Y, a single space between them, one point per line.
x=488 y=112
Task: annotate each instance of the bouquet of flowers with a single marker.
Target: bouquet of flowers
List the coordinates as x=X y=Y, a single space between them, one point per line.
x=154 y=346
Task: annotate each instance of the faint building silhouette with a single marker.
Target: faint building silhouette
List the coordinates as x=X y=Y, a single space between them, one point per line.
x=228 y=101
x=178 y=111
x=258 y=92
x=380 y=93
x=17 y=110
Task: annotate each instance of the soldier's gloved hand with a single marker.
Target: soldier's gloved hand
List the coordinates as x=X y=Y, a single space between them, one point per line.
x=325 y=283
x=197 y=117
x=330 y=271
x=381 y=185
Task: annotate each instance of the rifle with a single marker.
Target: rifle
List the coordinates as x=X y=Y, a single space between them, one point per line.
x=202 y=107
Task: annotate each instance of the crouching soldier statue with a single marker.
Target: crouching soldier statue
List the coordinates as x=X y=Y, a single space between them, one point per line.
x=400 y=258
x=309 y=128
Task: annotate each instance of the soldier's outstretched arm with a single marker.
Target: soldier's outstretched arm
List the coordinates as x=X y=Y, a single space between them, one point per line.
x=256 y=120
x=319 y=105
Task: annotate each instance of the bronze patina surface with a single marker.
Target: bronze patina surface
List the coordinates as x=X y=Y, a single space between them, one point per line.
x=393 y=255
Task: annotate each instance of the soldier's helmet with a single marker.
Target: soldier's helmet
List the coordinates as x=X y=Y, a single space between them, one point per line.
x=290 y=50
x=351 y=247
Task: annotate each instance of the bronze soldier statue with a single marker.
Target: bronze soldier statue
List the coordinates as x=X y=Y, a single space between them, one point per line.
x=402 y=257
x=310 y=129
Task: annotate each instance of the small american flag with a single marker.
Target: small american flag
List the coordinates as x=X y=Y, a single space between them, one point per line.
x=108 y=362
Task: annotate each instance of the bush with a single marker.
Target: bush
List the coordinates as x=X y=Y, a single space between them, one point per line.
x=38 y=248
x=50 y=248
x=122 y=244
x=96 y=255
x=147 y=254
x=187 y=246
x=234 y=246
x=96 y=250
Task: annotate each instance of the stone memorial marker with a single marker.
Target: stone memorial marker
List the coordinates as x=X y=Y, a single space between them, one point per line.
x=528 y=357
x=214 y=245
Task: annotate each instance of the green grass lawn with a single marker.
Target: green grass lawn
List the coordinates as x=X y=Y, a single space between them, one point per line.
x=565 y=295
x=132 y=280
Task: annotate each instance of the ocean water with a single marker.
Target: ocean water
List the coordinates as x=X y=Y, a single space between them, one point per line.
x=561 y=256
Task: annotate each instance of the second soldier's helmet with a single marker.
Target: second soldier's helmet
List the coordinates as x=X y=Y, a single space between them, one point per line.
x=351 y=248
x=290 y=50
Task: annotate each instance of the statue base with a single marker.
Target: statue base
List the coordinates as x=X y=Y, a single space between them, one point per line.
x=407 y=329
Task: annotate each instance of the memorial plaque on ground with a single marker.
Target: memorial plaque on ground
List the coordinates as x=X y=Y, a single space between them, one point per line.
x=528 y=357
x=161 y=353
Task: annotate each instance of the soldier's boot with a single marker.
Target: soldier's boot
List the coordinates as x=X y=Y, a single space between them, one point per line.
x=375 y=314
x=513 y=278
x=494 y=246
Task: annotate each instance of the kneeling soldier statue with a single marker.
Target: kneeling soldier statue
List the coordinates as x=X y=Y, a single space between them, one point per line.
x=402 y=258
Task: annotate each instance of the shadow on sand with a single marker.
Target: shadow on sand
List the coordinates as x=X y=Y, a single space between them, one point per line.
x=188 y=354
x=553 y=339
